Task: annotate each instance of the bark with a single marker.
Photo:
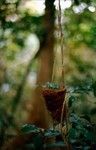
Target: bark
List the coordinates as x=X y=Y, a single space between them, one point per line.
x=47 y=51
x=39 y=114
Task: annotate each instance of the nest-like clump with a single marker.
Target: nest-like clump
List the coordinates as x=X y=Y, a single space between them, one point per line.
x=54 y=99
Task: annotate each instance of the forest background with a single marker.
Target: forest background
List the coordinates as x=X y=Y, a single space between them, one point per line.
x=30 y=43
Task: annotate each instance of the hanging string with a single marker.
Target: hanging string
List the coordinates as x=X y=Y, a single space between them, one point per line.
x=55 y=55
x=61 y=41
x=60 y=35
x=62 y=79
x=54 y=63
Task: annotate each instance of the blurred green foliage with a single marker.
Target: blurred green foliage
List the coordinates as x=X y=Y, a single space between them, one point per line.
x=79 y=29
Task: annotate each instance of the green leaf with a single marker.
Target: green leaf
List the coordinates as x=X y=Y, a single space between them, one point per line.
x=74 y=118
x=94 y=88
x=71 y=100
x=52 y=85
x=28 y=128
x=89 y=136
x=51 y=133
x=72 y=134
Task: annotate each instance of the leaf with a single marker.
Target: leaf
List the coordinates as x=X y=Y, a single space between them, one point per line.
x=72 y=134
x=74 y=118
x=94 y=88
x=71 y=100
x=52 y=85
x=89 y=136
x=51 y=133
x=28 y=128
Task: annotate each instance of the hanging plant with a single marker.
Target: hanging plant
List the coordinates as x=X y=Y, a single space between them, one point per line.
x=54 y=96
x=53 y=93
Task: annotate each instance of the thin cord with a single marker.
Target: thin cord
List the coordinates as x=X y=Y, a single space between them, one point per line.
x=62 y=59
x=54 y=63
x=61 y=40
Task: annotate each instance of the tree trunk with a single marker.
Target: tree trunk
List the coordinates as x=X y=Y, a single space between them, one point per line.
x=46 y=56
x=39 y=114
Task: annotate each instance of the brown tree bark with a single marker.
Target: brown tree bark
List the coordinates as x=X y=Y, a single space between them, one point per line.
x=46 y=56
x=39 y=114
